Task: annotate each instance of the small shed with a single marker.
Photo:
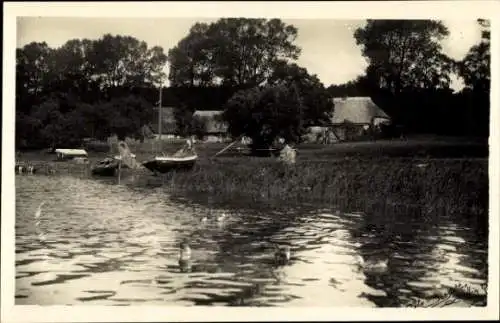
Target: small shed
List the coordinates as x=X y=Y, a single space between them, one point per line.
x=65 y=154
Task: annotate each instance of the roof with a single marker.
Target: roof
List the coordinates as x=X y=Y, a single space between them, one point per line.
x=212 y=117
x=168 y=125
x=357 y=110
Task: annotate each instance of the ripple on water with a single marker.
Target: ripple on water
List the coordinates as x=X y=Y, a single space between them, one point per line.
x=123 y=249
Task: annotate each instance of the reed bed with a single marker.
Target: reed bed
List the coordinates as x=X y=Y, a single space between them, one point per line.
x=423 y=187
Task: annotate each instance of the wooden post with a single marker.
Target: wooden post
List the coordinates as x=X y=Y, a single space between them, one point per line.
x=119 y=170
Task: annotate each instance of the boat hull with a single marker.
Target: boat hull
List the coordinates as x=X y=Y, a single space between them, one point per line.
x=165 y=166
x=104 y=170
x=106 y=167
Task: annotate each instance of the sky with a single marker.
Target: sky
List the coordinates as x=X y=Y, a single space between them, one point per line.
x=329 y=49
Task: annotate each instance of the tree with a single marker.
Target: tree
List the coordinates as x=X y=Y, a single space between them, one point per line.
x=125 y=61
x=199 y=127
x=475 y=67
x=83 y=89
x=265 y=113
x=33 y=67
x=316 y=101
x=126 y=115
x=191 y=60
x=474 y=99
x=57 y=125
x=405 y=53
x=184 y=121
x=232 y=52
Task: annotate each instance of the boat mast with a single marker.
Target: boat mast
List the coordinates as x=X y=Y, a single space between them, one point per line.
x=159 y=115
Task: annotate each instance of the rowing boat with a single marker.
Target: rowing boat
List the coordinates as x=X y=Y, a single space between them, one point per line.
x=165 y=164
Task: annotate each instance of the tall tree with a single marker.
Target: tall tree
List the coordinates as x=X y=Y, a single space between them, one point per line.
x=191 y=60
x=33 y=70
x=232 y=51
x=266 y=113
x=405 y=53
x=475 y=67
x=316 y=101
x=125 y=61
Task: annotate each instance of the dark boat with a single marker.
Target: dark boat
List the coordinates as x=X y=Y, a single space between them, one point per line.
x=160 y=164
x=106 y=167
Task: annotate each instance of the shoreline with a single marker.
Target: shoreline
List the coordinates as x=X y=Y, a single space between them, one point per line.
x=440 y=186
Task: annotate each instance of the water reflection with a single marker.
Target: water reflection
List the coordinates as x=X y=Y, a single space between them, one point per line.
x=95 y=242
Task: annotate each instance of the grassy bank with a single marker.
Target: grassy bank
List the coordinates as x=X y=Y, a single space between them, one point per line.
x=451 y=186
x=363 y=178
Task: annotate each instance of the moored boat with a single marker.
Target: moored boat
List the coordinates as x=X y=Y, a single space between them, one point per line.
x=165 y=164
x=106 y=167
x=67 y=154
x=110 y=166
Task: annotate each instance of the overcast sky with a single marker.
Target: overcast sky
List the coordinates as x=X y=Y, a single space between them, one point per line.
x=328 y=46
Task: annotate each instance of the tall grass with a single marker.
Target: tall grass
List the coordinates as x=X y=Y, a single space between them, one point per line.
x=448 y=186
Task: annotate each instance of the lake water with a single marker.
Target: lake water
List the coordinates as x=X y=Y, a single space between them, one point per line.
x=98 y=243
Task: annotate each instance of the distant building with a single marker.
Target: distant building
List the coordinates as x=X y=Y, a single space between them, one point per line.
x=168 y=124
x=353 y=118
x=216 y=129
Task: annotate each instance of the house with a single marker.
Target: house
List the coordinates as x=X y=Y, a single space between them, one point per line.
x=356 y=117
x=168 y=123
x=353 y=118
x=215 y=127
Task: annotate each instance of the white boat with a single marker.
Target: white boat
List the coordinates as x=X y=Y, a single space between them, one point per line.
x=164 y=164
x=65 y=154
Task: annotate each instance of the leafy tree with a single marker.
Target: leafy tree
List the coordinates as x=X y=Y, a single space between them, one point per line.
x=265 y=113
x=475 y=67
x=126 y=115
x=33 y=67
x=405 y=53
x=83 y=89
x=232 y=51
x=191 y=60
x=474 y=99
x=184 y=121
x=199 y=127
x=125 y=61
x=55 y=128
x=316 y=101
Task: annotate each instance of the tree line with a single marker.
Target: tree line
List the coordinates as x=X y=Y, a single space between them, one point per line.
x=96 y=88
x=409 y=77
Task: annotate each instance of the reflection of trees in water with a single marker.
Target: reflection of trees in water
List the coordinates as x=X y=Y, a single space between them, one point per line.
x=400 y=235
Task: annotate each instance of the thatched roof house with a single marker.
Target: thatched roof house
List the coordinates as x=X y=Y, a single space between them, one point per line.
x=213 y=118
x=356 y=118
x=357 y=111
x=353 y=118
